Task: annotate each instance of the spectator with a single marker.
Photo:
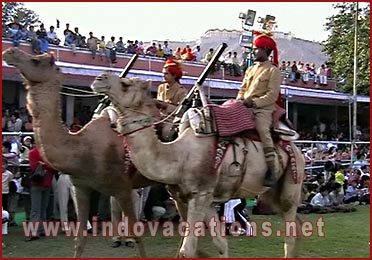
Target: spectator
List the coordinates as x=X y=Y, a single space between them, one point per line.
x=159 y=204
x=322 y=75
x=151 y=50
x=70 y=41
x=40 y=191
x=111 y=50
x=160 y=51
x=7 y=176
x=167 y=51
x=52 y=36
x=92 y=43
x=197 y=54
x=234 y=212
x=25 y=149
x=102 y=47
x=351 y=194
x=42 y=36
x=120 y=45
x=14 y=123
x=140 y=50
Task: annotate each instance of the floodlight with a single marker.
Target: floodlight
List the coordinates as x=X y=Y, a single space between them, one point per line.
x=249 y=20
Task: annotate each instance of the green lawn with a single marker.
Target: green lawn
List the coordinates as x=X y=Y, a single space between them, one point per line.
x=346 y=235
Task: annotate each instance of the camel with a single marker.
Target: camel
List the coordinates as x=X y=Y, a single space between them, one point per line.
x=188 y=163
x=94 y=156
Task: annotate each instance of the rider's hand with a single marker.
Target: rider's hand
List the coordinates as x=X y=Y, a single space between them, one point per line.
x=248 y=103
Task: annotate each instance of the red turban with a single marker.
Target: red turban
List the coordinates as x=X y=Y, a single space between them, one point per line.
x=173 y=68
x=262 y=40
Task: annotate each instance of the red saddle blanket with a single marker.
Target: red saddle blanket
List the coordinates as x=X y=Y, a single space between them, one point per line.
x=232 y=117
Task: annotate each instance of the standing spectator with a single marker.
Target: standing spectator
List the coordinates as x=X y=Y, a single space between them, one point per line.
x=102 y=47
x=111 y=50
x=79 y=39
x=92 y=43
x=40 y=191
x=7 y=176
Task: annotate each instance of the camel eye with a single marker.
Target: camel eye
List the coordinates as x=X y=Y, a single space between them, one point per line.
x=124 y=87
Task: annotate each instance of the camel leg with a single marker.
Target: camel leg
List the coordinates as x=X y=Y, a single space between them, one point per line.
x=126 y=203
x=82 y=198
x=181 y=208
x=219 y=236
x=195 y=213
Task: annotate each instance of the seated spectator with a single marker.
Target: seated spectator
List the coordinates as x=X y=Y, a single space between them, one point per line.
x=70 y=41
x=15 y=33
x=140 y=50
x=188 y=56
x=120 y=45
x=364 y=194
x=151 y=50
x=167 y=51
x=177 y=53
x=52 y=36
x=351 y=194
x=131 y=49
x=321 y=199
x=197 y=54
x=159 y=205
x=92 y=43
x=235 y=65
x=322 y=75
x=283 y=66
x=160 y=51
x=336 y=196
x=42 y=36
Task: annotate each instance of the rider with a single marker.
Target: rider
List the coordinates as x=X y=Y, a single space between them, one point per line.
x=171 y=92
x=170 y=95
x=260 y=90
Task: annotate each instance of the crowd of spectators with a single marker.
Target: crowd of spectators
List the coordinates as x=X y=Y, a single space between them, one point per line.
x=298 y=70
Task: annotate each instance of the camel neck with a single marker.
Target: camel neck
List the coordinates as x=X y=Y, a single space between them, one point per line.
x=43 y=101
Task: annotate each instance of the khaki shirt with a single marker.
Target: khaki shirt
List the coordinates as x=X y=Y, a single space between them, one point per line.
x=261 y=84
x=171 y=94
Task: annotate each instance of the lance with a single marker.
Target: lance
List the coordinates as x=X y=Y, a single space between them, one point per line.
x=105 y=101
x=185 y=104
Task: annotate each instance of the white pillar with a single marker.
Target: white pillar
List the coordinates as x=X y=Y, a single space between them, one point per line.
x=70 y=103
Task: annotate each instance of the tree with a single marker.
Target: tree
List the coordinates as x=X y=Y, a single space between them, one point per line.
x=340 y=46
x=16 y=12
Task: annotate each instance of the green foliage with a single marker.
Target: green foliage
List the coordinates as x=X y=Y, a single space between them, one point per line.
x=16 y=12
x=340 y=46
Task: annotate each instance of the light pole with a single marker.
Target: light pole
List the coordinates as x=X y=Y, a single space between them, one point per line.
x=355 y=80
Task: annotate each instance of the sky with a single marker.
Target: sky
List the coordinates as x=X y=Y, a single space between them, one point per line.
x=180 y=21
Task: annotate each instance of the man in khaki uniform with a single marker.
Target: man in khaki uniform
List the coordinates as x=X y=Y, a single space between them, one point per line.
x=171 y=92
x=170 y=95
x=260 y=90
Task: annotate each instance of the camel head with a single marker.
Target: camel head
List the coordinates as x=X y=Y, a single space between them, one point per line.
x=35 y=68
x=123 y=92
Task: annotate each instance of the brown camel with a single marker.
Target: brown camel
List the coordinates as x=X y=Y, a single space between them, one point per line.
x=189 y=161
x=94 y=156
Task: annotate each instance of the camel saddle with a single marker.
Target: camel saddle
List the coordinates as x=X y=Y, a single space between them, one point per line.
x=232 y=118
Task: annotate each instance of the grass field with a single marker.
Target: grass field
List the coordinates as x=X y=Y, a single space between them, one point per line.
x=346 y=235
